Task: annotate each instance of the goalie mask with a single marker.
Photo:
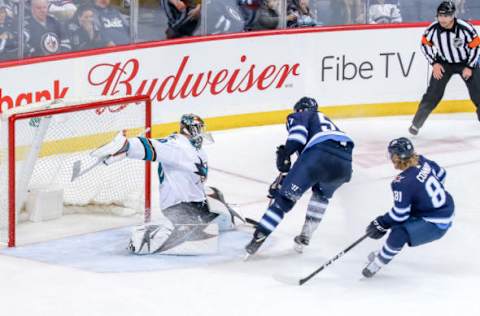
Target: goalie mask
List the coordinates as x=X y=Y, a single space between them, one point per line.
x=193 y=126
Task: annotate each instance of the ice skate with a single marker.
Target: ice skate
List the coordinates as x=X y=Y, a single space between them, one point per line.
x=257 y=241
x=373 y=266
x=300 y=242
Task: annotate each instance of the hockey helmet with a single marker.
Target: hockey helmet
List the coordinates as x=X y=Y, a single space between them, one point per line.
x=446 y=8
x=306 y=104
x=402 y=147
x=193 y=126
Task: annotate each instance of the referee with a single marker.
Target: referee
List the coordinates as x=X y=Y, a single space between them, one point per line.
x=451 y=46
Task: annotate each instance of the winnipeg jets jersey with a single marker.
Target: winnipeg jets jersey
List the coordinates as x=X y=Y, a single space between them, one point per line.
x=182 y=168
x=309 y=128
x=112 y=25
x=419 y=192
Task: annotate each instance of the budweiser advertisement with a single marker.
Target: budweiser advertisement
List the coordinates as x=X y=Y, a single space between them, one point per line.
x=228 y=76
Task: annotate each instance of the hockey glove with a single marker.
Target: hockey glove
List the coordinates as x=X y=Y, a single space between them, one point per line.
x=283 y=159
x=377 y=229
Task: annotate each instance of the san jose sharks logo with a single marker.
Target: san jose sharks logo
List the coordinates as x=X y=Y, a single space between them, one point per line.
x=202 y=169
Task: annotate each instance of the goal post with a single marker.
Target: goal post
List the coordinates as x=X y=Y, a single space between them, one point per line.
x=39 y=146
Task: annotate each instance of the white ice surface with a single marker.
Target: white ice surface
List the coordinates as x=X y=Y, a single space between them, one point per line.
x=441 y=278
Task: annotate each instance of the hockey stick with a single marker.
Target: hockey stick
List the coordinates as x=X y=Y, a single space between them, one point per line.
x=77 y=165
x=329 y=262
x=252 y=222
x=77 y=168
x=275 y=186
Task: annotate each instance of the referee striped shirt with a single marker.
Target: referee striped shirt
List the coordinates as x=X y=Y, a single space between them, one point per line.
x=458 y=45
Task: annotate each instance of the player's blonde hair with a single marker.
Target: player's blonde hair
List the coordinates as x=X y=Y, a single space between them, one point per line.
x=403 y=164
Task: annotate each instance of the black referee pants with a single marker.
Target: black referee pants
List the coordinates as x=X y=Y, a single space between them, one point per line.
x=436 y=89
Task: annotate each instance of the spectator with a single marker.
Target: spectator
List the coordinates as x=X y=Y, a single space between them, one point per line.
x=45 y=35
x=248 y=9
x=8 y=34
x=299 y=14
x=224 y=17
x=183 y=17
x=418 y=10
x=380 y=12
x=11 y=7
x=472 y=9
x=347 y=11
x=112 y=25
x=267 y=17
x=84 y=34
x=460 y=4
x=62 y=10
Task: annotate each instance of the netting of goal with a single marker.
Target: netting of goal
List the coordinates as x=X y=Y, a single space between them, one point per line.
x=41 y=144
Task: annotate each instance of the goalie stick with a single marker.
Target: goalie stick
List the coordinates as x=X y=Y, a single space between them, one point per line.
x=77 y=168
x=77 y=165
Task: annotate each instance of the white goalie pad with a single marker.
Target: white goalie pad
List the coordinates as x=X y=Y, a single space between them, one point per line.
x=224 y=219
x=182 y=239
x=149 y=238
x=205 y=244
x=226 y=214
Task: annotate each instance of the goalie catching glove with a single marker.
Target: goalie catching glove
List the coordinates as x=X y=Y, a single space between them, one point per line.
x=113 y=151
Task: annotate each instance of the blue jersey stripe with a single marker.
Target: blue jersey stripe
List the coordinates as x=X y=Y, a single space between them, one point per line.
x=324 y=136
x=298 y=138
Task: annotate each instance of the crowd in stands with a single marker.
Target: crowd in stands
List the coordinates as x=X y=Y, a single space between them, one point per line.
x=54 y=26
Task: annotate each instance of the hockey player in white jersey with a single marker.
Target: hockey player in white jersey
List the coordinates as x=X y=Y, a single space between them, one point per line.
x=182 y=172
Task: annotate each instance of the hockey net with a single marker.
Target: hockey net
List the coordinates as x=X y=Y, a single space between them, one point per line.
x=42 y=144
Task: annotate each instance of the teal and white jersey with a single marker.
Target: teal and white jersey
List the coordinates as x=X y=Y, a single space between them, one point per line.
x=182 y=168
